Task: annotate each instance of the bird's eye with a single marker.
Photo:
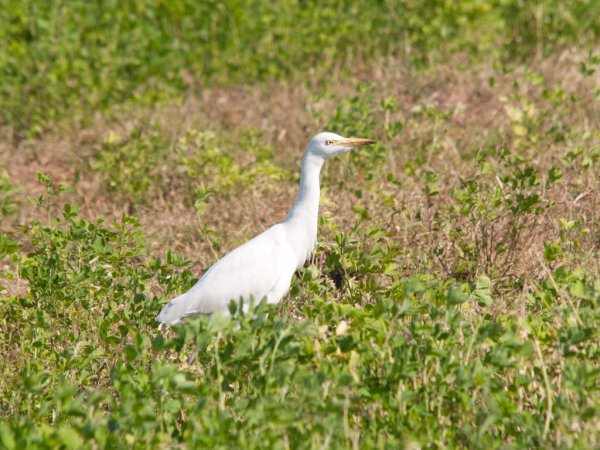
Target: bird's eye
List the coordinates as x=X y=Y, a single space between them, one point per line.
x=328 y=142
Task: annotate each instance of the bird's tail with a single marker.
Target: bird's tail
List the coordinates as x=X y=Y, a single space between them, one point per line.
x=172 y=312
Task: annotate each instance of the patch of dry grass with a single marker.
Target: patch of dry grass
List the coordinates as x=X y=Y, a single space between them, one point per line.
x=450 y=116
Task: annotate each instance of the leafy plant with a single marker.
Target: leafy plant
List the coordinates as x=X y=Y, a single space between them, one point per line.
x=88 y=56
x=502 y=203
x=453 y=300
x=8 y=203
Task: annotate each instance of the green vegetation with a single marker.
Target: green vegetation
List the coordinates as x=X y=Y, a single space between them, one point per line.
x=454 y=297
x=78 y=56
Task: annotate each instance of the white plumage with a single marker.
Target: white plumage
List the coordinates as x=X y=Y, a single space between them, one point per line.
x=263 y=267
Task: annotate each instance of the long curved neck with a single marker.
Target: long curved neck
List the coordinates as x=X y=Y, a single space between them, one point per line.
x=304 y=214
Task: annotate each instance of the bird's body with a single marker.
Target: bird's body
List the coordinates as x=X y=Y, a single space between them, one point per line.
x=260 y=268
x=263 y=267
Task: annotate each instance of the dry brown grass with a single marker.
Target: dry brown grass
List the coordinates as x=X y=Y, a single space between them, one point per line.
x=285 y=113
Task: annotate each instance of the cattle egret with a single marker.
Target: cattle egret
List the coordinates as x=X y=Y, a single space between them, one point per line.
x=263 y=267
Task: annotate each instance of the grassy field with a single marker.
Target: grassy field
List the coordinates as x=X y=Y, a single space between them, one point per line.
x=454 y=297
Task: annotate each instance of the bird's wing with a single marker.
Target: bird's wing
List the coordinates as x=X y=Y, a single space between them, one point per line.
x=250 y=271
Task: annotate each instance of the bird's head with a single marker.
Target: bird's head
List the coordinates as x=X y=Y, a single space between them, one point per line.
x=327 y=144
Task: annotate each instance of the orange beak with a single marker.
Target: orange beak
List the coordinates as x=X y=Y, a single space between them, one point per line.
x=354 y=142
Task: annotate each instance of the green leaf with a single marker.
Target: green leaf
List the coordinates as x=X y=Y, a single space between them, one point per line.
x=456 y=295
x=481 y=293
x=7 y=437
x=552 y=251
x=554 y=174
x=577 y=289
x=70 y=438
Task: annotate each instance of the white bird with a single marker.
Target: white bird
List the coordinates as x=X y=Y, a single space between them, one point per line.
x=263 y=267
